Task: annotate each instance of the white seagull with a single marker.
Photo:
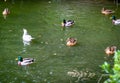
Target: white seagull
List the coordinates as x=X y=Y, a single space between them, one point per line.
x=26 y=38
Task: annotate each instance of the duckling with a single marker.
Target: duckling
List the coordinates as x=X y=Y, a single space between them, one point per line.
x=110 y=50
x=67 y=23
x=71 y=41
x=24 y=61
x=107 y=11
x=5 y=12
x=115 y=21
x=26 y=37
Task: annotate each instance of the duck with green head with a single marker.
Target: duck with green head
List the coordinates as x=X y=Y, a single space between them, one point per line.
x=115 y=21
x=107 y=11
x=24 y=61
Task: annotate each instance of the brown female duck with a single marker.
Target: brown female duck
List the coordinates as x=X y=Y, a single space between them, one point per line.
x=110 y=50
x=107 y=11
x=71 y=41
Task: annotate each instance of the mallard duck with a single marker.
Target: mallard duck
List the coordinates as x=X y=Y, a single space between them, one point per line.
x=107 y=11
x=67 y=23
x=71 y=41
x=115 y=21
x=26 y=37
x=24 y=61
x=110 y=50
x=5 y=12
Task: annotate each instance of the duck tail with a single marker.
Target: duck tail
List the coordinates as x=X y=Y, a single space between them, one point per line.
x=33 y=60
x=32 y=38
x=72 y=22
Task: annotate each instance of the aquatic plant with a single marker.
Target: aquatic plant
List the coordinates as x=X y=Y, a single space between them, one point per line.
x=112 y=71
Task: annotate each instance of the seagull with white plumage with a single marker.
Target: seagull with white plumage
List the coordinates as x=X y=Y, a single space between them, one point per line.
x=26 y=37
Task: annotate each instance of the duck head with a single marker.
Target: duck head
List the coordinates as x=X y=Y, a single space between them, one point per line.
x=20 y=58
x=113 y=17
x=64 y=21
x=103 y=9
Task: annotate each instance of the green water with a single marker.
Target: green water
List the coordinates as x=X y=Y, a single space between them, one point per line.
x=53 y=59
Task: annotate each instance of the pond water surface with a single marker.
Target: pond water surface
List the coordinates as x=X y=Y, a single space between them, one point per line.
x=53 y=59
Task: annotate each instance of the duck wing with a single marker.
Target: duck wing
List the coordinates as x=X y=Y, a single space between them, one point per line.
x=111 y=11
x=69 y=23
x=117 y=22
